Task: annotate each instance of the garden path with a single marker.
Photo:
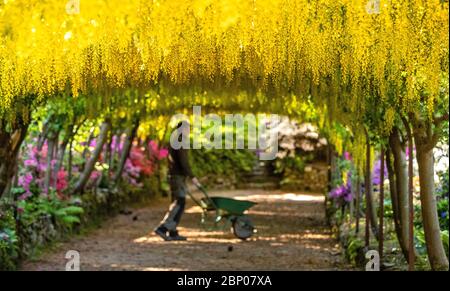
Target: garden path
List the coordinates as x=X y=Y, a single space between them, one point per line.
x=292 y=235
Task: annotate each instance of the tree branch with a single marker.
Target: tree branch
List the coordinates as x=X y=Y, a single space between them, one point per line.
x=437 y=120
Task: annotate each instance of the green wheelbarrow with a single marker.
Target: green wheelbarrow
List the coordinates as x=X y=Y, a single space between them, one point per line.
x=231 y=210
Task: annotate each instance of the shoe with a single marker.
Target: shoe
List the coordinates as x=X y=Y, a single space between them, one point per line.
x=174 y=236
x=177 y=238
x=163 y=234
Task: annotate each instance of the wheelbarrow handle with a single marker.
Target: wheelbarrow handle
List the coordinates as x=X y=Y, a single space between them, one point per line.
x=203 y=190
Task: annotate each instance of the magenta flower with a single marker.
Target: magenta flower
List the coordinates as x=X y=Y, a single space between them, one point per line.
x=30 y=163
x=95 y=175
x=93 y=143
x=347 y=156
x=25 y=181
x=407 y=151
x=163 y=153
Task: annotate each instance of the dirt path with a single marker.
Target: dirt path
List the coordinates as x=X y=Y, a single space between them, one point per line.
x=292 y=235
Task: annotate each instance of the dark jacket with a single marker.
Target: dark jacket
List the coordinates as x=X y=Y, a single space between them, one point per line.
x=179 y=163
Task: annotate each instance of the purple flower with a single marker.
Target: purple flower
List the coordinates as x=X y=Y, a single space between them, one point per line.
x=30 y=163
x=376 y=175
x=25 y=181
x=344 y=191
x=407 y=151
x=93 y=143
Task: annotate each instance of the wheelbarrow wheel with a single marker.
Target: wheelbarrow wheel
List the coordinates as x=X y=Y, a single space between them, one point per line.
x=243 y=227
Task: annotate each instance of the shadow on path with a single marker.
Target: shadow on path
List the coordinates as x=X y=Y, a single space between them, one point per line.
x=292 y=235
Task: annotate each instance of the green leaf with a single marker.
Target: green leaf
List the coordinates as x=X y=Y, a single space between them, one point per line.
x=70 y=219
x=73 y=210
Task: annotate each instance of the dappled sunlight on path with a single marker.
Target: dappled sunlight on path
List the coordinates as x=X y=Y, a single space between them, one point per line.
x=292 y=235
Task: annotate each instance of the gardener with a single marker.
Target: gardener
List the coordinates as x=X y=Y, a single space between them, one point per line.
x=179 y=171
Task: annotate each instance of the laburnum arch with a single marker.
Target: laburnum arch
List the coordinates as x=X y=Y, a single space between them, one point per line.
x=374 y=72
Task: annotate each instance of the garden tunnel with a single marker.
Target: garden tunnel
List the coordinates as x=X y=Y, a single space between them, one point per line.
x=372 y=80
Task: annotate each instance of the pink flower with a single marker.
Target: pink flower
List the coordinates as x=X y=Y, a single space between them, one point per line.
x=25 y=181
x=30 y=163
x=407 y=151
x=44 y=151
x=93 y=143
x=153 y=146
x=159 y=153
x=61 y=181
x=163 y=153
x=347 y=156
x=95 y=175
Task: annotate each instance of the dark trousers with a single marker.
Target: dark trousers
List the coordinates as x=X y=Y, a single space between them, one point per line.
x=178 y=191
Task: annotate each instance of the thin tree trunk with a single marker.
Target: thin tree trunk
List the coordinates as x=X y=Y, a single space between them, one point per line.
x=70 y=158
x=357 y=202
x=351 y=210
x=54 y=159
x=86 y=150
x=411 y=257
x=368 y=188
x=395 y=203
x=48 y=172
x=79 y=187
x=69 y=162
x=367 y=225
x=114 y=152
x=381 y=227
x=401 y=188
x=43 y=134
x=62 y=151
x=108 y=152
x=130 y=133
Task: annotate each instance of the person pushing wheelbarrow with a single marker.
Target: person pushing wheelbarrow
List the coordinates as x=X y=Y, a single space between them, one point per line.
x=179 y=172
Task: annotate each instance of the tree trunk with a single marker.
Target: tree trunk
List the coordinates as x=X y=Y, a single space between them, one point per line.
x=411 y=257
x=113 y=152
x=48 y=172
x=425 y=138
x=381 y=223
x=69 y=162
x=62 y=151
x=10 y=142
x=108 y=152
x=86 y=150
x=372 y=214
x=70 y=158
x=401 y=189
x=131 y=133
x=89 y=167
x=395 y=208
x=435 y=248
x=357 y=202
